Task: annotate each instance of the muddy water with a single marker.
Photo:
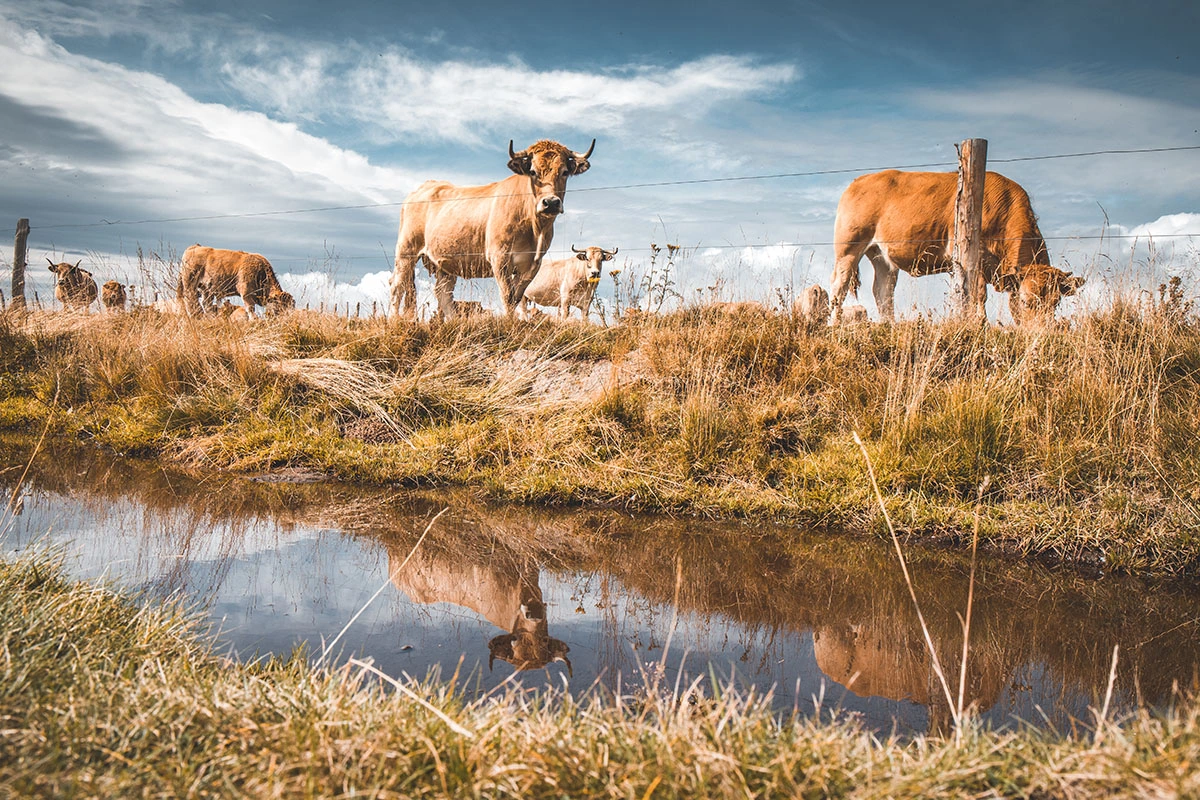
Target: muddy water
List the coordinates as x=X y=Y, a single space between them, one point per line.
x=589 y=597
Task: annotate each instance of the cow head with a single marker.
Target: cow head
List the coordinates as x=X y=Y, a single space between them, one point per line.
x=548 y=165
x=1036 y=290
x=279 y=301
x=530 y=645
x=594 y=257
x=65 y=271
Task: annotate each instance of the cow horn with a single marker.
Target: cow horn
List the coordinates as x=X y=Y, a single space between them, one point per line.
x=584 y=156
x=51 y=263
x=511 y=154
x=77 y=263
x=614 y=250
x=573 y=250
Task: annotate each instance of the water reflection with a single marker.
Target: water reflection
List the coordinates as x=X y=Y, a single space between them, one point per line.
x=503 y=588
x=588 y=597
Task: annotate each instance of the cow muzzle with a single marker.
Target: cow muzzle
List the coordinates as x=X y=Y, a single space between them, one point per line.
x=594 y=277
x=550 y=205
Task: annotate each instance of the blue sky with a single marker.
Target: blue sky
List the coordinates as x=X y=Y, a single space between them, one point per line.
x=128 y=110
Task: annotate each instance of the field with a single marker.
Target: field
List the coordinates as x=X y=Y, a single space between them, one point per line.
x=1086 y=428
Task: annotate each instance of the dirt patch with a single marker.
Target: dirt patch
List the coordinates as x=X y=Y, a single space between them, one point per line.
x=557 y=380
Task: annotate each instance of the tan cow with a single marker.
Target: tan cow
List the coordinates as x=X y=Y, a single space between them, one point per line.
x=503 y=589
x=74 y=287
x=568 y=282
x=112 y=296
x=208 y=274
x=905 y=221
x=500 y=230
x=811 y=308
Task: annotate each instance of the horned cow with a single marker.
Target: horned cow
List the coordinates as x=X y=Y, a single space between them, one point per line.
x=905 y=221
x=208 y=274
x=568 y=282
x=74 y=286
x=499 y=230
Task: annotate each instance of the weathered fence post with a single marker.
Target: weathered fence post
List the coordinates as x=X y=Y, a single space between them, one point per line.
x=969 y=287
x=18 y=276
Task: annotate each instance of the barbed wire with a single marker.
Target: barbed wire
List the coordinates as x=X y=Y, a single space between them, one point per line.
x=645 y=185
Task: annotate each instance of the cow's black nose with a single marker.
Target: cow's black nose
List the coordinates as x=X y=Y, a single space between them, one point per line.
x=552 y=205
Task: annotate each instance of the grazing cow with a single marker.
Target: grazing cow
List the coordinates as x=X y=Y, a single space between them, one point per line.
x=503 y=588
x=569 y=282
x=905 y=221
x=811 y=308
x=854 y=315
x=500 y=230
x=73 y=286
x=208 y=275
x=112 y=296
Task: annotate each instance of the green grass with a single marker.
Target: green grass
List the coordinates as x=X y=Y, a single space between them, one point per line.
x=1087 y=428
x=102 y=697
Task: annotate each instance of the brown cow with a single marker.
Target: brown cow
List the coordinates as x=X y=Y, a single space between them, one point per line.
x=568 y=282
x=500 y=230
x=112 y=296
x=208 y=274
x=74 y=287
x=905 y=221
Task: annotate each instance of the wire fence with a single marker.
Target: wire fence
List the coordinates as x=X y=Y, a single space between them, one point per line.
x=615 y=187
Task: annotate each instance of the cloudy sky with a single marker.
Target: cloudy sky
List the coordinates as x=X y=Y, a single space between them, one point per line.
x=141 y=123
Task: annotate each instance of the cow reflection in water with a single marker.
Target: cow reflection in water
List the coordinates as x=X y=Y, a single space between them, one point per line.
x=876 y=659
x=503 y=589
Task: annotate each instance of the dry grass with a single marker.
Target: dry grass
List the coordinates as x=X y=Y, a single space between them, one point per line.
x=1087 y=427
x=101 y=698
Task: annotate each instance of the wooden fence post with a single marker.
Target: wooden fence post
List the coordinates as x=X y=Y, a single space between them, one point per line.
x=969 y=287
x=19 y=253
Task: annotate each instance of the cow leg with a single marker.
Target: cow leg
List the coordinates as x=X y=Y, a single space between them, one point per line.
x=845 y=280
x=884 y=286
x=443 y=289
x=404 y=281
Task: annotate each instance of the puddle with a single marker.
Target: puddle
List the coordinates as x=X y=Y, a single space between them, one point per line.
x=583 y=598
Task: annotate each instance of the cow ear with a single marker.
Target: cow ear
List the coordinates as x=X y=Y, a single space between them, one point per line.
x=582 y=256
x=521 y=163
x=579 y=165
x=1067 y=284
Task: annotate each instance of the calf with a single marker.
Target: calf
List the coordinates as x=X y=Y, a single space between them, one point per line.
x=112 y=296
x=569 y=282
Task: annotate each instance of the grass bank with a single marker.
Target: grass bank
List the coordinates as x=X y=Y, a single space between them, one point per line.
x=1088 y=429
x=103 y=698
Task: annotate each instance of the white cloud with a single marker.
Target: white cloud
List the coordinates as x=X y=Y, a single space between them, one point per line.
x=1168 y=225
x=404 y=97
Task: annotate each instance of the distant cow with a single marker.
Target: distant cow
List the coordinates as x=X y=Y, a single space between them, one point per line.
x=811 y=308
x=905 y=221
x=74 y=287
x=500 y=230
x=568 y=282
x=208 y=275
x=854 y=315
x=112 y=296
